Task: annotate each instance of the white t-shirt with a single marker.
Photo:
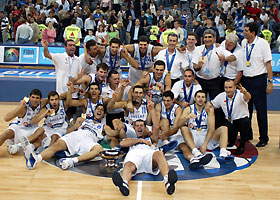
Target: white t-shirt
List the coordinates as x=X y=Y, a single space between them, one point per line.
x=65 y=67
x=232 y=68
x=188 y=56
x=212 y=65
x=261 y=54
x=100 y=34
x=240 y=106
x=179 y=64
x=89 y=68
x=178 y=91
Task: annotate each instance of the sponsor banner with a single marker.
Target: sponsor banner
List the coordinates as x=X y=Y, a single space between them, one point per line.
x=29 y=55
x=275 y=62
x=45 y=61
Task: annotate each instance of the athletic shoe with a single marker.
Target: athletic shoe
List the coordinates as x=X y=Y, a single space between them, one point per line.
x=118 y=181
x=225 y=153
x=24 y=141
x=233 y=147
x=66 y=163
x=197 y=162
x=30 y=156
x=13 y=149
x=168 y=147
x=172 y=179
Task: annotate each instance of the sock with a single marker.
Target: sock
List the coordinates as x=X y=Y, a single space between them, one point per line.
x=196 y=152
x=18 y=145
x=39 y=156
x=165 y=178
x=75 y=160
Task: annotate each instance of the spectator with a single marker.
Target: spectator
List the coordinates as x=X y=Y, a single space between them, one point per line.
x=4 y=27
x=112 y=32
x=24 y=33
x=35 y=29
x=101 y=35
x=275 y=13
x=90 y=36
x=122 y=32
x=49 y=34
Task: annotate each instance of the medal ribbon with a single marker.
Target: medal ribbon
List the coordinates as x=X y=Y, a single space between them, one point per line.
x=169 y=64
x=229 y=110
x=198 y=121
x=187 y=97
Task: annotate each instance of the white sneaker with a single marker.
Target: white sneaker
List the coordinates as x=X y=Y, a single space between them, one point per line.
x=13 y=149
x=66 y=163
x=225 y=153
x=30 y=156
x=232 y=147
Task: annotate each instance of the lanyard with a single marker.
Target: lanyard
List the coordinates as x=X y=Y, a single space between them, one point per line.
x=70 y=65
x=113 y=65
x=187 y=98
x=169 y=64
x=91 y=109
x=229 y=110
x=198 y=121
x=206 y=51
x=168 y=114
x=145 y=59
x=224 y=68
x=226 y=62
x=248 y=54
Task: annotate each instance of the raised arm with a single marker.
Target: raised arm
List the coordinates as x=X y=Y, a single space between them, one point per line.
x=186 y=115
x=128 y=58
x=17 y=112
x=43 y=112
x=46 y=51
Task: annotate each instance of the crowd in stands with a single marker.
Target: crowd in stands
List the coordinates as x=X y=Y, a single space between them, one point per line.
x=128 y=20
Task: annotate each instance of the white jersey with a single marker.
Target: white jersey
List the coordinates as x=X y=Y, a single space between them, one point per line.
x=169 y=115
x=91 y=107
x=152 y=85
x=140 y=113
x=30 y=113
x=143 y=146
x=114 y=62
x=87 y=67
x=93 y=79
x=184 y=93
x=192 y=124
x=144 y=63
x=95 y=128
x=59 y=119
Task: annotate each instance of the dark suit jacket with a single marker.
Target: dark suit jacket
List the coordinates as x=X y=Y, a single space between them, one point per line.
x=140 y=32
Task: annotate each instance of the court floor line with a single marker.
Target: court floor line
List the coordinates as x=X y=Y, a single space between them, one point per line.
x=139 y=190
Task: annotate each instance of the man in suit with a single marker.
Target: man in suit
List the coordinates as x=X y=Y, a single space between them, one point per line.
x=136 y=31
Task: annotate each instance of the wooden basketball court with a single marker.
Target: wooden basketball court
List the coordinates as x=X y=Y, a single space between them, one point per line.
x=259 y=181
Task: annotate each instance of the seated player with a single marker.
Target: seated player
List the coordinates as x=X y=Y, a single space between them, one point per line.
x=143 y=157
x=198 y=130
x=22 y=126
x=82 y=141
x=55 y=124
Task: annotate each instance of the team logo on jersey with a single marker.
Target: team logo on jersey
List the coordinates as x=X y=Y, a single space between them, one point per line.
x=99 y=126
x=191 y=125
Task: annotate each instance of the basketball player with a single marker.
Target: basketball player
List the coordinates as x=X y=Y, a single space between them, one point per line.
x=143 y=157
x=83 y=141
x=198 y=130
x=24 y=113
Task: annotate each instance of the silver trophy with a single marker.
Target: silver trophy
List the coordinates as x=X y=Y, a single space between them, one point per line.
x=111 y=160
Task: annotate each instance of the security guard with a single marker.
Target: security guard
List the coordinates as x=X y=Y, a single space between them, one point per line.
x=73 y=32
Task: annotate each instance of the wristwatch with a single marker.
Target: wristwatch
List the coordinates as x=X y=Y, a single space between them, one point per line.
x=270 y=80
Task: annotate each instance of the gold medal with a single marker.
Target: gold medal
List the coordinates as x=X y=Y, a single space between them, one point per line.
x=168 y=73
x=84 y=116
x=53 y=113
x=157 y=87
x=248 y=63
x=203 y=59
x=198 y=129
x=26 y=99
x=229 y=119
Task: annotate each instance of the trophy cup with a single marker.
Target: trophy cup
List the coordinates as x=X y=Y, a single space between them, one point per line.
x=111 y=160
